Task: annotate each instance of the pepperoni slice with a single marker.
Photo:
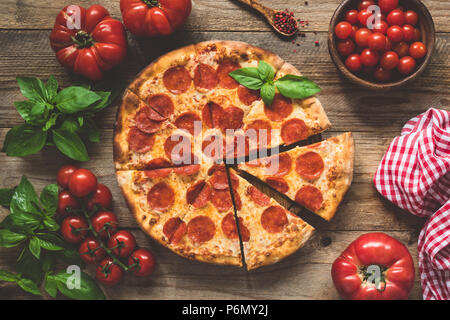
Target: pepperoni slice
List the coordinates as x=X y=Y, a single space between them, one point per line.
x=198 y=194
x=248 y=96
x=221 y=199
x=161 y=197
x=139 y=141
x=177 y=79
x=158 y=173
x=219 y=180
x=231 y=119
x=309 y=197
x=225 y=67
x=162 y=106
x=261 y=134
x=309 y=165
x=187 y=170
x=158 y=163
x=178 y=148
x=212 y=114
x=278 y=165
x=186 y=122
x=229 y=228
x=274 y=219
x=257 y=196
x=205 y=77
x=201 y=229
x=174 y=229
x=280 y=108
x=294 y=130
x=214 y=147
x=278 y=184
x=144 y=123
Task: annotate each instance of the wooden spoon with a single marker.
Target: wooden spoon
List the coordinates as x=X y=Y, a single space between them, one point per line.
x=268 y=13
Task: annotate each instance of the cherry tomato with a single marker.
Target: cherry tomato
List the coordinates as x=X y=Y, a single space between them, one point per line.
x=395 y=33
x=64 y=174
x=369 y=57
x=406 y=65
x=101 y=197
x=377 y=41
x=343 y=30
x=363 y=15
x=411 y=17
x=122 y=243
x=389 y=60
x=104 y=223
x=381 y=74
x=388 y=44
x=91 y=251
x=381 y=27
x=74 y=229
x=387 y=5
x=351 y=16
x=144 y=262
x=401 y=48
x=417 y=50
x=65 y=201
x=108 y=272
x=82 y=182
x=353 y=34
x=353 y=62
x=396 y=18
x=408 y=32
x=365 y=4
x=361 y=37
x=417 y=35
x=345 y=47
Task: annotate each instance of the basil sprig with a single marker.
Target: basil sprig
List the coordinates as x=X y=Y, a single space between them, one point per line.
x=31 y=226
x=64 y=118
x=262 y=79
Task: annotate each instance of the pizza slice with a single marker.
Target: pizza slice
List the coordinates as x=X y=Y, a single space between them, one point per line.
x=268 y=232
x=316 y=176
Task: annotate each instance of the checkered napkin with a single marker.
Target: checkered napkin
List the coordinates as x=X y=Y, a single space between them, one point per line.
x=415 y=175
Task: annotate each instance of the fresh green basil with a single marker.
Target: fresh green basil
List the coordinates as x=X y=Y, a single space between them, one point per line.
x=50 y=242
x=75 y=99
x=52 y=88
x=70 y=144
x=32 y=88
x=25 y=198
x=248 y=77
x=22 y=222
x=8 y=276
x=35 y=247
x=29 y=286
x=9 y=239
x=24 y=140
x=6 y=195
x=268 y=93
x=88 y=289
x=296 y=87
x=49 y=198
x=265 y=71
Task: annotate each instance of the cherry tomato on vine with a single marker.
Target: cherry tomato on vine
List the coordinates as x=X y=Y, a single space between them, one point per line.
x=82 y=182
x=343 y=30
x=362 y=36
x=382 y=74
x=108 y=272
x=64 y=174
x=395 y=33
x=411 y=17
x=65 y=201
x=345 y=47
x=396 y=17
x=408 y=32
x=122 y=243
x=105 y=223
x=364 y=4
x=351 y=16
x=401 y=48
x=353 y=62
x=369 y=57
x=406 y=65
x=389 y=60
x=74 y=229
x=417 y=50
x=377 y=41
x=142 y=262
x=387 y=5
x=102 y=197
x=91 y=251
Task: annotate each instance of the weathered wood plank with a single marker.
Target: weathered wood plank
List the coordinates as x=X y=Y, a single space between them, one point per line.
x=206 y=15
x=304 y=275
x=349 y=107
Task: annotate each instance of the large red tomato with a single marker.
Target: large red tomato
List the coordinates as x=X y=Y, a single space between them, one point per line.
x=149 y=18
x=88 y=41
x=355 y=271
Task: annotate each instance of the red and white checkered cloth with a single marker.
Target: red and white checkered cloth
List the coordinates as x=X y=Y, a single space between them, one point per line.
x=415 y=175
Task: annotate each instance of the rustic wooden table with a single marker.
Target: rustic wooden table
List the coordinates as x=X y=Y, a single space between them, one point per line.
x=374 y=118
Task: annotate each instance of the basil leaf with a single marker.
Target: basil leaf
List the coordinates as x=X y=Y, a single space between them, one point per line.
x=75 y=99
x=70 y=124
x=106 y=99
x=29 y=286
x=50 y=243
x=9 y=239
x=6 y=195
x=80 y=120
x=34 y=247
x=38 y=114
x=88 y=290
x=50 y=223
x=248 y=77
x=32 y=88
x=8 y=276
x=70 y=256
x=296 y=87
x=50 y=286
x=49 y=198
x=22 y=222
x=51 y=88
x=267 y=93
x=25 y=198
x=24 y=108
x=265 y=71
x=28 y=266
x=24 y=140
x=51 y=121
x=70 y=144
x=90 y=131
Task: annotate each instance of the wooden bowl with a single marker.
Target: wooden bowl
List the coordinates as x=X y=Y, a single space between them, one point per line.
x=426 y=27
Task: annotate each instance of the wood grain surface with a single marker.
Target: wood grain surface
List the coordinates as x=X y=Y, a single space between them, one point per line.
x=375 y=118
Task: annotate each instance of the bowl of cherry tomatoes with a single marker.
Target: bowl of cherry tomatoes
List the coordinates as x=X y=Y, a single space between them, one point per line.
x=381 y=44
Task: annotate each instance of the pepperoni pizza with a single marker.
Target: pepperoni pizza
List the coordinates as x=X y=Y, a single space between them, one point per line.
x=178 y=121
